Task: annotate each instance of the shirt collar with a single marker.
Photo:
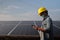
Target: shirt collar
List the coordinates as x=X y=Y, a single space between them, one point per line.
x=45 y=17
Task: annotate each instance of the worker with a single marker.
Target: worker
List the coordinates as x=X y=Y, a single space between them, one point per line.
x=46 y=29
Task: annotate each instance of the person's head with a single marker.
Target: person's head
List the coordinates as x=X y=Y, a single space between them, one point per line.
x=42 y=11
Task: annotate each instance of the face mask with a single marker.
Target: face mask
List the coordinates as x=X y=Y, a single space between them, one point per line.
x=43 y=16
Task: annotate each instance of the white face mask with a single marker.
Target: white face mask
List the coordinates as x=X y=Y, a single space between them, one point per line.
x=43 y=16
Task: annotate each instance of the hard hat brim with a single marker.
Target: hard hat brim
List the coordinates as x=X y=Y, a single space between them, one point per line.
x=41 y=12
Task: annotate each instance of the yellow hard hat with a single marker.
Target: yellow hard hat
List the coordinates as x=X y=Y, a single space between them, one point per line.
x=41 y=9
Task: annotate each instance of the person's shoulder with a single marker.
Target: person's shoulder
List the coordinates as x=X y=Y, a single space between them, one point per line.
x=48 y=18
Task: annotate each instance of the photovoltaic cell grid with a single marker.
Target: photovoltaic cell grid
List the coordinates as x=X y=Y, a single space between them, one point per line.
x=24 y=27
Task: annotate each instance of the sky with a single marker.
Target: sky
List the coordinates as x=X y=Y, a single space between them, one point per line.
x=26 y=10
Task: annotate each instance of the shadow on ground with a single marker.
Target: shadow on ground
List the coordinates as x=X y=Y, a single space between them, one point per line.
x=23 y=38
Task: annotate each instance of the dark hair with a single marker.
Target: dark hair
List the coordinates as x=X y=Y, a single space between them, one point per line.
x=46 y=12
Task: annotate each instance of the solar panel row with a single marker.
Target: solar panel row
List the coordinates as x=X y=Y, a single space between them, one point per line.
x=23 y=28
